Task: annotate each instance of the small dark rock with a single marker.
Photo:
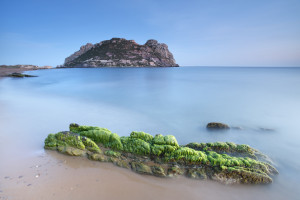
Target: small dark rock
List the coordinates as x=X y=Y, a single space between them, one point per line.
x=19 y=75
x=217 y=125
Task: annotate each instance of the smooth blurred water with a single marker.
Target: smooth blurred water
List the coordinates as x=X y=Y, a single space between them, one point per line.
x=178 y=101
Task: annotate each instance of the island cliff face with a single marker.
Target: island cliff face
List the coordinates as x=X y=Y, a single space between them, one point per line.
x=120 y=52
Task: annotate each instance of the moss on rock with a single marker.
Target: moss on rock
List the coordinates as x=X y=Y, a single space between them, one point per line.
x=225 y=147
x=158 y=171
x=225 y=162
x=135 y=146
x=141 y=168
x=98 y=157
x=115 y=142
x=165 y=140
x=217 y=125
x=112 y=153
x=142 y=135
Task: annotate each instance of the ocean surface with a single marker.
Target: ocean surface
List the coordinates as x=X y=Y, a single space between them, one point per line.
x=263 y=102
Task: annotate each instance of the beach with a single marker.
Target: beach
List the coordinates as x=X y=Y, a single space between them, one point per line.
x=177 y=101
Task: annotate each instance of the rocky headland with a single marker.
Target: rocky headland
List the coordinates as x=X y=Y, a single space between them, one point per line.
x=162 y=156
x=119 y=52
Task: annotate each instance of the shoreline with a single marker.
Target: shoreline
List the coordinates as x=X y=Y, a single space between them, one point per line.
x=4 y=71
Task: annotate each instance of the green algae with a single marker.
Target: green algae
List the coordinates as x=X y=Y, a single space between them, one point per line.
x=222 y=161
x=158 y=171
x=225 y=147
x=90 y=145
x=135 y=146
x=97 y=135
x=142 y=135
x=50 y=141
x=141 y=168
x=115 y=142
x=112 y=153
x=68 y=139
x=165 y=140
x=188 y=155
x=65 y=139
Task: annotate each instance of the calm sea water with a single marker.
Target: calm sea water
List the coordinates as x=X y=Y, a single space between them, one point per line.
x=178 y=101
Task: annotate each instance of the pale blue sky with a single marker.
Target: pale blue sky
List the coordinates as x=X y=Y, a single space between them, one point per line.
x=198 y=32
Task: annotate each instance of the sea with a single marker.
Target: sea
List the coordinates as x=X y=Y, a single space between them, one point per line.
x=262 y=104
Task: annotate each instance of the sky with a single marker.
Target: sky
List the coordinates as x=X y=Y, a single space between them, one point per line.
x=198 y=32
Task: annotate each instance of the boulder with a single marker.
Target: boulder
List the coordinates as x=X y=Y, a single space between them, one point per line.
x=217 y=125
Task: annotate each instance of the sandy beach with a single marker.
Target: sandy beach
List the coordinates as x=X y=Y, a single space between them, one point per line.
x=31 y=108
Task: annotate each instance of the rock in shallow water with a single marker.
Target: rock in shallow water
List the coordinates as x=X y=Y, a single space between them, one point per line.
x=19 y=75
x=217 y=125
x=225 y=162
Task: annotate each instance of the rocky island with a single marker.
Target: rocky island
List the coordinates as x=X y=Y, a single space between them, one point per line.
x=162 y=156
x=119 y=52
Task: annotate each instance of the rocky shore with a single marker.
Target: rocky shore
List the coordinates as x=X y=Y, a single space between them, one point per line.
x=10 y=70
x=162 y=156
x=119 y=52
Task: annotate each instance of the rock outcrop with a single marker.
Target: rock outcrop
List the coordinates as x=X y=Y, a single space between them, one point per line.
x=217 y=125
x=119 y=52
x=161 y=156
x=19 y=75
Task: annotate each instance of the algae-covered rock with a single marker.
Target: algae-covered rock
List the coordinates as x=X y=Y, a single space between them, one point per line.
x=141 y=135
x=225 y=162
x=197 y=173
x=115 y=142
x=141 y=168
x=97 y=157
x=217 y=125
x=175 y=171
x=112 y=153
x=74 y=151
x=165 y=140
x=68 y=142
x=225 y=147
x=135 y=146
x=158 y=171
x=19 y=75
x=121 y=163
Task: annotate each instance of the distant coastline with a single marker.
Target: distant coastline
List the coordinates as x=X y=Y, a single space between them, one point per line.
x=9 y=69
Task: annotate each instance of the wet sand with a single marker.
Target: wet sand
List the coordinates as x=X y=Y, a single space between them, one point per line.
x=51 y=175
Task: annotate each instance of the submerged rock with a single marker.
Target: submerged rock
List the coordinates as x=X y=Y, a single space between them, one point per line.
x=19 y=75
x=217 y=125
x=267 y=129
x=161 y=156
